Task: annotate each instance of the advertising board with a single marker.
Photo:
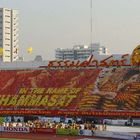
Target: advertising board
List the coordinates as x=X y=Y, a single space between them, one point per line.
x=16 y=129
x=44 y=130
x=99 y=92
x=116 y=135
x=85 y=132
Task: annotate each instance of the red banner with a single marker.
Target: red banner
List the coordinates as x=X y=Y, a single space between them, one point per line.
x=71 y=91
x=45 y=130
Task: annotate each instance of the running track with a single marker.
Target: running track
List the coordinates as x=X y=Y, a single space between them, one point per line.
x=33 y=136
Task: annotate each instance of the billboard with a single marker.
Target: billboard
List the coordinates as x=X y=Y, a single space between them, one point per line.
x=98 y=91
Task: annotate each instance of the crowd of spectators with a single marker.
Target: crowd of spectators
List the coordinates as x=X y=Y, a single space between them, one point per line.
x=49 y=124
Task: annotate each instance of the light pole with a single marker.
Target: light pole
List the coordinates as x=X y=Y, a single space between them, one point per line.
x=91 y=22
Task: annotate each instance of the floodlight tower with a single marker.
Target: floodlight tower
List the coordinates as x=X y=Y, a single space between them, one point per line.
x=91 y=22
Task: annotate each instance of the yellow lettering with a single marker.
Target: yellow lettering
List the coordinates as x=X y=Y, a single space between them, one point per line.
x=74 y=90
x=23 y=100
x=43 y=101
x=57 y=90
x=53 y=100
x=49 y=90
x=23 y=90
x=61 y=101
x=77 y=90
x=37 y=90
x=35 y=99
x=65 y=91
x=13 y=100
x=4 y=99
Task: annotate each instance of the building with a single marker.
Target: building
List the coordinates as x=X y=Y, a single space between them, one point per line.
x=9 y=41
x=80 y=52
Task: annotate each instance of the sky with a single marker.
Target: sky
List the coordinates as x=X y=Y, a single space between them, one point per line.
x=49 y=24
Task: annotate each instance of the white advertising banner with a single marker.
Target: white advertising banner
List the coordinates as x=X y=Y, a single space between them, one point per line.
x=1 y=128
x=119 y=135
x=108 y=134
x=85 y=133
x=123 y=135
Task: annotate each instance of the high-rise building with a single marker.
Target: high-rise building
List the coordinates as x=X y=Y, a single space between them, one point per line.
x=80 y=52
x=9 y=41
